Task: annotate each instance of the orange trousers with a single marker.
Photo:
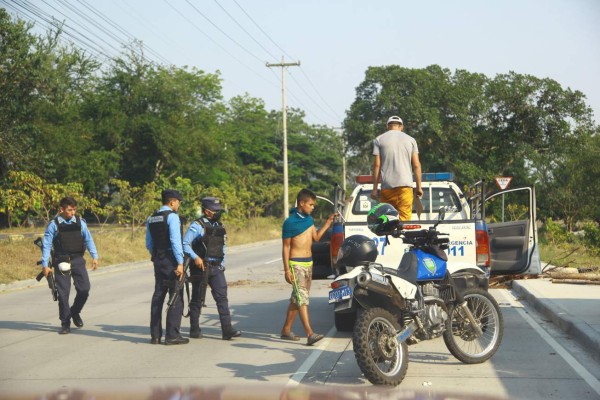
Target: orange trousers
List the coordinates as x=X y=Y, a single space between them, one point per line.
x=401 y=198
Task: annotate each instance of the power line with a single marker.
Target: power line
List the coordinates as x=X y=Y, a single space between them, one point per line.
x=77 y=23
x=335 y=114
x=116 y=26
x=261 y=29
x=39 y=16
x=318 y=93
x=223 y=32
x=242 y=28
x=216 y=43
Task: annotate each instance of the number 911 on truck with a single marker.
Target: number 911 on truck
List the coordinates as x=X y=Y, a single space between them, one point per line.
x=489 y=234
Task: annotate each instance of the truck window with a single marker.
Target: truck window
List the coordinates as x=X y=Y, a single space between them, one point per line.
x=441 y=197
x=445 y=197
x=363 y=203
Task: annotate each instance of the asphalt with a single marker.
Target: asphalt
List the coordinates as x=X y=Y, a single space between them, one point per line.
x=574 y=308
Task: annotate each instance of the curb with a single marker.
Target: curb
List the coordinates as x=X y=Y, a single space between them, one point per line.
x=585 y=335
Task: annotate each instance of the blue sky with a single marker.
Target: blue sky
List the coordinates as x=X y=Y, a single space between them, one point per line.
x=336 y=41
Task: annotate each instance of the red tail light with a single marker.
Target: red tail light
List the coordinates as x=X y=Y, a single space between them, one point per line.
x=410 y=227
x=337 y=237
x=483 y=247
x=338 y=284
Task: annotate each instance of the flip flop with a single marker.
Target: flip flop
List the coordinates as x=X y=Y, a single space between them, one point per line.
x=314 y=338
x=290 y=336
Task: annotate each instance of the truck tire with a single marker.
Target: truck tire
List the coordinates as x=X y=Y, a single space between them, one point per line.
x=344 y=322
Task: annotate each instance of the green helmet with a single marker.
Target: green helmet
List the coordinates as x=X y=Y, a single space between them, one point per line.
x=381 y=217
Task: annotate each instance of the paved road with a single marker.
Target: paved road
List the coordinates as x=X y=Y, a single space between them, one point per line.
x=111 y=352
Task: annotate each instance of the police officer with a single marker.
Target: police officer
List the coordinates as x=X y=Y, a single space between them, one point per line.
x=163 y=241
x=204 y=243
x=70 y=237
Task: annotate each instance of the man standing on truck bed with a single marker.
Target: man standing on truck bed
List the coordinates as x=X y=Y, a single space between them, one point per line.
x=396 y=158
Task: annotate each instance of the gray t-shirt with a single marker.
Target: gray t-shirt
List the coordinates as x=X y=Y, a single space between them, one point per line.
x=395 y=149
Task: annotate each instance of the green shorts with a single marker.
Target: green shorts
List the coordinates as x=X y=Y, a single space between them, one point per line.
x=302 y=277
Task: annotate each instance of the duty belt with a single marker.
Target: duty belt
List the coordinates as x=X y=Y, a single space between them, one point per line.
x=215 y=263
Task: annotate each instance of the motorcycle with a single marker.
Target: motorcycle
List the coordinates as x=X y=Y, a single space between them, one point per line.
x=420 y=300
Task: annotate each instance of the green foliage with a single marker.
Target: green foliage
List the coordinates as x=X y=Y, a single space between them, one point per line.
x=478 y=127
x=553 y=233
x=114 y=137
x=26 y=196
x=592 y=236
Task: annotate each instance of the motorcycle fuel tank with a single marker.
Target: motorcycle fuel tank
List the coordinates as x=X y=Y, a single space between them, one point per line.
x=429 y=267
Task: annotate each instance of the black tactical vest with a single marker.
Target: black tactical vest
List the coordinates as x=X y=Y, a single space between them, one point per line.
x=159 y=230
x=69 y=239
x=210 y=244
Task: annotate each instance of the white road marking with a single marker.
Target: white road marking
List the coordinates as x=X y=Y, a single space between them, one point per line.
x=272 y=261
x=579 y=369
x=308 y=363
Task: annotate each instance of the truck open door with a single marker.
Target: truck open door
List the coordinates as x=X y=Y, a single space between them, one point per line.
x=511 y=222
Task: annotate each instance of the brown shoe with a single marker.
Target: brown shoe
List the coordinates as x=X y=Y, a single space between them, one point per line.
x=314 y=338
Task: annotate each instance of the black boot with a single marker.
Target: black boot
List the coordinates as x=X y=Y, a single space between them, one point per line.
x=195 y=333
x=231 y=333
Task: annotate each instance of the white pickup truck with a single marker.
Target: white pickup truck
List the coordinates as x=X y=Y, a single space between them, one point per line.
x=496 y=233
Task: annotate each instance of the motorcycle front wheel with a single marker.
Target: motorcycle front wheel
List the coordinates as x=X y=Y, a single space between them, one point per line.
x=380 y=357
x=462 y=339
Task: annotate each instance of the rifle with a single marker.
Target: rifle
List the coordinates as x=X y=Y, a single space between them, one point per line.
x=204 y=281
x=203 y=287
x=50 y=277
x=179 y=283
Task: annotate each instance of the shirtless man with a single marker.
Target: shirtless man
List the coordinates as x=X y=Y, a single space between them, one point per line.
x=298 y=234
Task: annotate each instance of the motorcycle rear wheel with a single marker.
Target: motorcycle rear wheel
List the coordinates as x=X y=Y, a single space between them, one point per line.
x=460 y=336
x=380 y=357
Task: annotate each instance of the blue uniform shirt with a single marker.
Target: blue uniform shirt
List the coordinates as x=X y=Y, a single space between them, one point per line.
x=196 y=231
x=174 y=235
x=52 y=231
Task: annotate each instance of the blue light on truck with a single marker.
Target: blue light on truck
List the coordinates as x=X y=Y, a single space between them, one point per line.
x=437 y=176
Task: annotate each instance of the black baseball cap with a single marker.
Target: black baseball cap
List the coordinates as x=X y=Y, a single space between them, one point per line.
x=170 y=194
x=212 y=203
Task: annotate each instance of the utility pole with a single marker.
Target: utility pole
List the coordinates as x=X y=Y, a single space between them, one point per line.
x=286 y=207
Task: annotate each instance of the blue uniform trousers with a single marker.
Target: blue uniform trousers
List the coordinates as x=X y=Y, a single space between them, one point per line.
x=164 y=271
x=218 y=286
x=81 y=280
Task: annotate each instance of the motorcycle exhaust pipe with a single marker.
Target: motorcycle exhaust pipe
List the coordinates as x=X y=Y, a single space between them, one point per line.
x=379 y=284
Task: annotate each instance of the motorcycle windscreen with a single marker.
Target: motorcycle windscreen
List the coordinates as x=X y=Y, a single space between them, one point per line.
x=429 y=267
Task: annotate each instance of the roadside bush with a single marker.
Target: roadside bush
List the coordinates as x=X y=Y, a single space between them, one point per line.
x=592 y=237
x=553 y=233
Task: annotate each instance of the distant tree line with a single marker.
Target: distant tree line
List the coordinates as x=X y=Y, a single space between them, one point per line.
x=512 y=125
x=114 y=135
x=106 y=133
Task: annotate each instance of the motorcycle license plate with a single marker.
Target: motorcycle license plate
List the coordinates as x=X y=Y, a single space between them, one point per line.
x=340 y=294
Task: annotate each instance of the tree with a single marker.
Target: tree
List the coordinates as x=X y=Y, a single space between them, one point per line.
x=477 y=127
x=42 y=87
x=26 y=196
x=157 y=119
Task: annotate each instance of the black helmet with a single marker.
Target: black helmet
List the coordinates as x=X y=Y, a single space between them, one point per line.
x=357 y=250
x=382 y=218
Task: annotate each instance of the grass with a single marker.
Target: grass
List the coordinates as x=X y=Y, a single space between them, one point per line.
x=18 y=255
x=573 y=255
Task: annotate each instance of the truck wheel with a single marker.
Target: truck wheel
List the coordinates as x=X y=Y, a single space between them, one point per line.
x=344 y=322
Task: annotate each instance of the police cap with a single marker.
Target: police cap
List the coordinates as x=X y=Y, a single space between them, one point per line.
x=211 y=203
x=170 y=194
